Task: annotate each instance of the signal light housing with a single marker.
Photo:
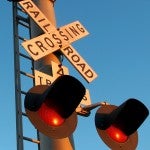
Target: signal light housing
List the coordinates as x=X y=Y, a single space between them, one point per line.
x=51 y=109
x=117 y=126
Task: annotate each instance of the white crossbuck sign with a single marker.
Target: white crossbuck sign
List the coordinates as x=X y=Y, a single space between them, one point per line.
x=55 y=39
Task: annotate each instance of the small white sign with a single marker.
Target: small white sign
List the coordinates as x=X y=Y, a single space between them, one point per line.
x=45 y=79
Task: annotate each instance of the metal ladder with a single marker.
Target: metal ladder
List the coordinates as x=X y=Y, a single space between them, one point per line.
x=24 y=80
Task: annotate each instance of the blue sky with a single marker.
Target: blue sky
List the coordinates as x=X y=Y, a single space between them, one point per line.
x=118 y=49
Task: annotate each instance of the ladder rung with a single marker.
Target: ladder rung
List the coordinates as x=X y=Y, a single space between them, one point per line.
x=27 y=26
x=31 y=140
x=24 y=114
x=21 y=38
x=18 y=8
x=23 y=92
x=27 y=74
x=26 y=20
x=21 y=10
x=25 y=56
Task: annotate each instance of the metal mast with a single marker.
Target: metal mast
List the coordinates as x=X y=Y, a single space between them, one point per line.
x=47 y=7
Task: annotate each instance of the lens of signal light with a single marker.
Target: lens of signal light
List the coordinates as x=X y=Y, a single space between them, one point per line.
x=116 y=134
x=49 y=115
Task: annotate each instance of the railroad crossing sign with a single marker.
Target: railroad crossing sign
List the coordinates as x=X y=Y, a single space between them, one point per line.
x=56 y=39
x=48 y=43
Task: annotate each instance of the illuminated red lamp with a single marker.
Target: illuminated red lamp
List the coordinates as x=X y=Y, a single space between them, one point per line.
x=117 y=125
x=49 y=115
x=116 y=134
x=51 y=109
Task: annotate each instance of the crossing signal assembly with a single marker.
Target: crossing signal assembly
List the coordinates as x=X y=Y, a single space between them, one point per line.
x=117 y=126
x=51 y=109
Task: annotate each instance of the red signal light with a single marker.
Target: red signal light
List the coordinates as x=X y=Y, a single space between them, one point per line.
x=116 y=134
x=49 y=115
x=51 y=109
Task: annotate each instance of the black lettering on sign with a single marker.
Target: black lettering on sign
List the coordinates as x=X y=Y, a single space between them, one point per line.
x=69 y=33
x=80 y=28
x=60 y=71
x=35 y=13
x=40 y=80
x=74 y=31
x=49 y=42
x=78 y=62
x=75 y=58
x=28 y=5
x=29 y=48
x=41 y=46
x=41 y=20
x=44 y=81
x=46 y=26
x=57 y=39
x=48 y=82
x=63 y=35
x=69 y=50
x=82 y=65
x=89 y=73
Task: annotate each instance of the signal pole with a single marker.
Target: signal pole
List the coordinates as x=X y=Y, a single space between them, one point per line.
x=44 y=65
